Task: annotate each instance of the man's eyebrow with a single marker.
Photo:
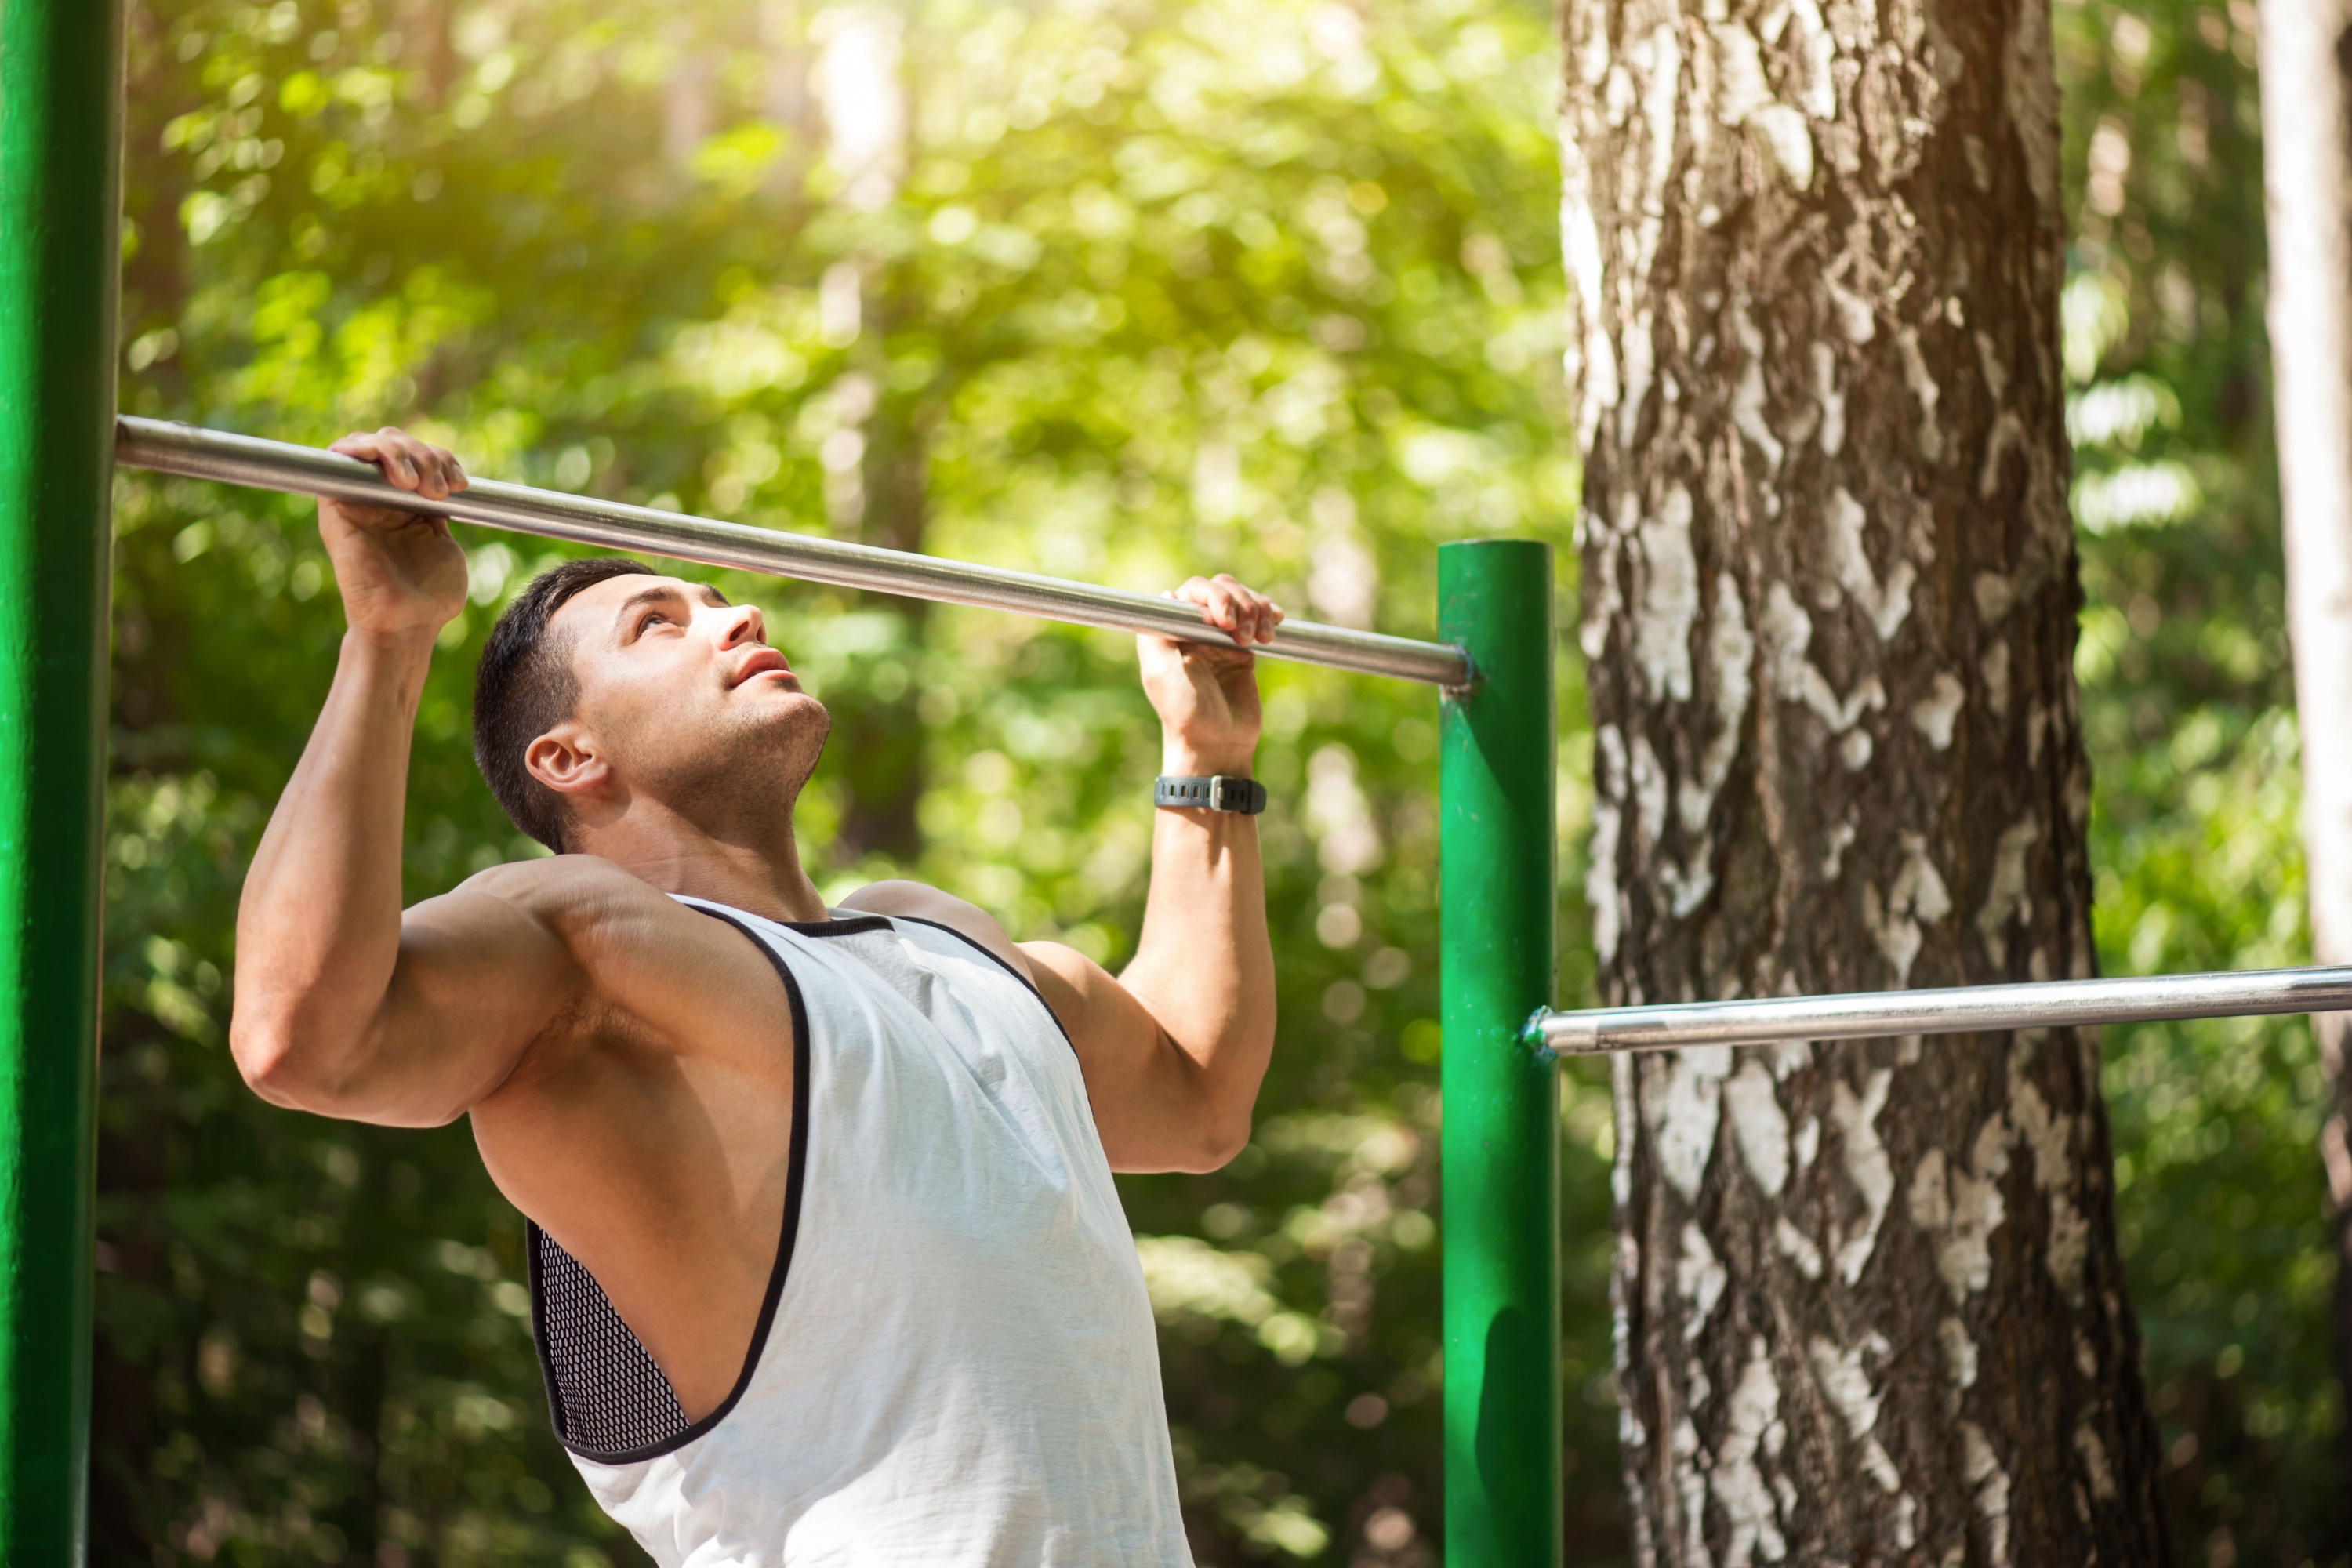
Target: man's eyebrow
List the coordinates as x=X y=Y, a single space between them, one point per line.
x=646 y=596
x=710 y=595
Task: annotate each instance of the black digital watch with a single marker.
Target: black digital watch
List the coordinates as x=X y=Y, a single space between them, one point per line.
x=1219 y=793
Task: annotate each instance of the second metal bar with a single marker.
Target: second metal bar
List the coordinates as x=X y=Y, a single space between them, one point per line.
x=195 y=453
x=1966 y=1009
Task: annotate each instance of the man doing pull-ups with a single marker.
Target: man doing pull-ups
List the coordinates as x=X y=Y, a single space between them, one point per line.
x=826 y=1262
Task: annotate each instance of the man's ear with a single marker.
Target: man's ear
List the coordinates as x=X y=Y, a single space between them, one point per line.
x=566 y=760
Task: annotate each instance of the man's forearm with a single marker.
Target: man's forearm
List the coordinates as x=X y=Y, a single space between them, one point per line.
x=319 y=924
x=1204 y=964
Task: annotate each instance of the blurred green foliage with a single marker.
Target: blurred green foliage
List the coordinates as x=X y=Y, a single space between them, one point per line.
x=1256 y=285
x=2188 y=704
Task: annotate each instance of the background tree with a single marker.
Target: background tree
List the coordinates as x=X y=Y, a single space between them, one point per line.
x=1870 y=1301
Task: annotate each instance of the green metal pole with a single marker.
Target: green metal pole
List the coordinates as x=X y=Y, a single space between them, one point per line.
x=60 y=138
x=1501 y=1155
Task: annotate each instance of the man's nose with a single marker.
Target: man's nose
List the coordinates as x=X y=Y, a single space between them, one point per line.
x=742 y=623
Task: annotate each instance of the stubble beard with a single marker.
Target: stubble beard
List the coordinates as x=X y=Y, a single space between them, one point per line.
x=742 y=782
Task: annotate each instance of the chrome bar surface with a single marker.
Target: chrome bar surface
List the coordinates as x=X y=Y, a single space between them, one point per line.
x=1966 y=1009
x=196 y=453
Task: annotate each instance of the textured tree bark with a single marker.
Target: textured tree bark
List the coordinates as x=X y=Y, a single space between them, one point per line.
x=1870 y=1303
x=2307 y=52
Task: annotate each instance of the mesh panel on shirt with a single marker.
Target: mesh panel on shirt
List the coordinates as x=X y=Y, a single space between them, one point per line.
x=610 y=1397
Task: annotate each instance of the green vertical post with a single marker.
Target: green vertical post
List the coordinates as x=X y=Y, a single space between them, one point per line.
x=1500 y=1151
x=61 y=139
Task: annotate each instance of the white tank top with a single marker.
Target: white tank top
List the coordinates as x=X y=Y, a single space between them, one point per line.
x=955 y=1363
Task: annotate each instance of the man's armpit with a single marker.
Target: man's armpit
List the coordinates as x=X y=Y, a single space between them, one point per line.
x=1097 y=1012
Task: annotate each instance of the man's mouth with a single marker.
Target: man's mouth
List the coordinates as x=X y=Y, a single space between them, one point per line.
x=766 y=661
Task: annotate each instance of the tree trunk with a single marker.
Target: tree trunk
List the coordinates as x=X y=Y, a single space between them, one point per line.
x=2306 y=50
x=1870 y=1307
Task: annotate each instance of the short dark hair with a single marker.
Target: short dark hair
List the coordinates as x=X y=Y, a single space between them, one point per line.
x=525 y=686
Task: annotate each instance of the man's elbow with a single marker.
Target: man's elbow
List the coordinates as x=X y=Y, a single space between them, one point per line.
x=282 y=1066
x=1221 y=1140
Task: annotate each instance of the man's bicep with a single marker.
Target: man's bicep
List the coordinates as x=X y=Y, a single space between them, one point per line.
x=478 y=979
x=1103 y=1021
x=1145 y=1092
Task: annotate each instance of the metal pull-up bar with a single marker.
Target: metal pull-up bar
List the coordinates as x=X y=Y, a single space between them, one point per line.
x=200 y=454
x=1957 y=1010
x=196 y=453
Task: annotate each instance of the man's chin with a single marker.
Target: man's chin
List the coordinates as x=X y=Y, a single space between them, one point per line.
x=744 y=762
x=773 y=728
x=771 y=696
x=797 y=726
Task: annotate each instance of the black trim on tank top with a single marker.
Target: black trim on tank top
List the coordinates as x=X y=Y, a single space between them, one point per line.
x=998 y=959
x=795 y=1166
x=535 y=1272
x=849 y=926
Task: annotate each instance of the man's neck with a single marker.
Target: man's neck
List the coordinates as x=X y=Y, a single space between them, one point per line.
x=760 y=874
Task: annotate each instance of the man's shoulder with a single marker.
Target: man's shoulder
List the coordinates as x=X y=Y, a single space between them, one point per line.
x=580 y=878
x=571 y=895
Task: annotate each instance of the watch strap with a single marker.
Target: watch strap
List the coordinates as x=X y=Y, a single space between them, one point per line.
x=1218 y=793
